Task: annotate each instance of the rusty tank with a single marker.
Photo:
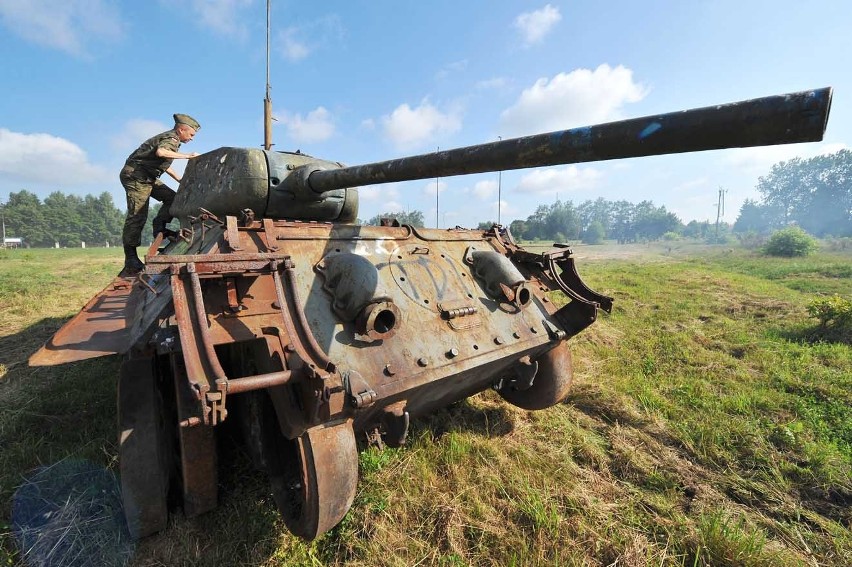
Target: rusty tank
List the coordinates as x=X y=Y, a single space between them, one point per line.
x=273 y=310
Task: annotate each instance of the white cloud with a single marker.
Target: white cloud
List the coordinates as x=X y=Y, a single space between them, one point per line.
x=388 y=193
x=409 y=127
x=759 y=160
x=484 y=190
x=429 y=188
x=579 y=98
x=691 y=184
x=292 y=48
x=222 y=16
x=67 y=25
x=297 y=42
x=507 y=211
x=534 y=26
x=316 y=126
x=495 y=83
x=135 y=132
x=392 y=207
x=43 y=158
x=552 y=180
x=451 y=68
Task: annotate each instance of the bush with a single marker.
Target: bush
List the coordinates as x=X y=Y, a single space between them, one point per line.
x=789 y=242
x=671 y=236
x=833 y=311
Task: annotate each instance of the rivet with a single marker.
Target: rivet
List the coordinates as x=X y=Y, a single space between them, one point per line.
x=516 y=334
x=453 y=352
x=389 y=370
x=422 y=361
x=534 y=330
x=498 y=340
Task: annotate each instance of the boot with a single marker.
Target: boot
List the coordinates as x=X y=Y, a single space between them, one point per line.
x=132 y=264
x=159 y=226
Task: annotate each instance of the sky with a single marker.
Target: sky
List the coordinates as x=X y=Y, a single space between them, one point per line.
x=84 y=82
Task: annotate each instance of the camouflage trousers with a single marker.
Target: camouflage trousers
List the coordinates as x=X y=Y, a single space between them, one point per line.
x=138 y=194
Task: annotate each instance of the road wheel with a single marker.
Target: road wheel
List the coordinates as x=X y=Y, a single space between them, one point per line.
x=145 y=454
x=551 y=384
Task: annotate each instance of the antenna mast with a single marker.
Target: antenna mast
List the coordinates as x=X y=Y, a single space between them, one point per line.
x=267 y=102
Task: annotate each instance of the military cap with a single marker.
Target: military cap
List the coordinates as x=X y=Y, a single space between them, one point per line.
x=188 y=120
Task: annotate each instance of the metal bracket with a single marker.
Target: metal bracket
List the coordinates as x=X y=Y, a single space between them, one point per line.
x=359 y=393
x=232 y=233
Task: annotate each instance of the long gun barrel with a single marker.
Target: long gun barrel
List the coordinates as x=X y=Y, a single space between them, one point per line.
x=782 y=119
x=297 y=186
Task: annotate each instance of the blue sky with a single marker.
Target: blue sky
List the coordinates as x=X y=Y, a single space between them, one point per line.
x=85 y=81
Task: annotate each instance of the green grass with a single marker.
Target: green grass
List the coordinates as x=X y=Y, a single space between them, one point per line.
x=705 y=427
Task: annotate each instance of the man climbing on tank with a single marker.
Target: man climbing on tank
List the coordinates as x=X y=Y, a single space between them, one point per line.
x=140 y=179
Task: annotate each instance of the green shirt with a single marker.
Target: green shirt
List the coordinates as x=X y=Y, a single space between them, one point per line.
x=145 y=162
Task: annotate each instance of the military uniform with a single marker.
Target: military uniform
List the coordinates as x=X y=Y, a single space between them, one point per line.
x=140 y=178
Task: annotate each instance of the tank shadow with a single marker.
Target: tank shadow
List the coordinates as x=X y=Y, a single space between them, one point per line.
x=58 y=441
x=462 y=416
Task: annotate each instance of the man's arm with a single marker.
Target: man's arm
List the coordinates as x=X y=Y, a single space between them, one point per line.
x=169 y=154
x=173 y=174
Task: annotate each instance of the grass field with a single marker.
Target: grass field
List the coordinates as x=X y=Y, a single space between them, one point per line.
x=706 y=426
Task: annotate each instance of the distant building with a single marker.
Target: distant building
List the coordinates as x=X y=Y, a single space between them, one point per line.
x=12 y=242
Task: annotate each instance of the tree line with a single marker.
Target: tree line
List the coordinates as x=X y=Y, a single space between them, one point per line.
x=814 y=194
x=66 y=220
x=593 y=221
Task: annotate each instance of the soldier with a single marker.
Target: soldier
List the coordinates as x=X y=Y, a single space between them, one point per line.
x=140 y=178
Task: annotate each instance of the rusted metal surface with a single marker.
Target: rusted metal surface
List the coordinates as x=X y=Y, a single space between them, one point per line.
x=99 y=329
x=197 y=450
x=144 y=454
x=318 y=486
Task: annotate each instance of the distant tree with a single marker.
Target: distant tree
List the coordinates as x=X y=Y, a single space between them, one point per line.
x=101 y=221
x=653 y=222
x=562 y=218
x=756 y=218
x=622 y=228
x=62 y=218
x=24 y=219
x=518 y=228
x=815 y=193
x=598 y=211
x=697 y=229
x=485 y=225
x=413 y=218
x=594 y=234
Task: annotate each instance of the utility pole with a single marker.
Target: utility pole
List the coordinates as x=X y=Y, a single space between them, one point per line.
x=720 y=210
